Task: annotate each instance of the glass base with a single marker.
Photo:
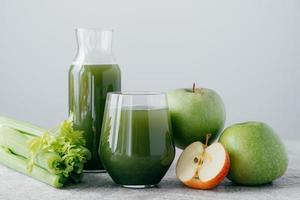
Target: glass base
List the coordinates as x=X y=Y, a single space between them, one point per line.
x=138 y=186
x=94 y=171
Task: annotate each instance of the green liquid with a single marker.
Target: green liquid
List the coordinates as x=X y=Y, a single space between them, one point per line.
x=88 y=86
x=138 y=147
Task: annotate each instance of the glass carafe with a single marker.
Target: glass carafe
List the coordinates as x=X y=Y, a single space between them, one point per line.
x=92 y=75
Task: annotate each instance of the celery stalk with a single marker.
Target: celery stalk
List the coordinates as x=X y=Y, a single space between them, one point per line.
x=14 y=140
x=19 y=164
x=50 y=161
x=17 y=142
x=34 y=151
x=22 y=126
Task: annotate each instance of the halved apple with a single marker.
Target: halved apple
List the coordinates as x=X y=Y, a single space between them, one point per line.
x=203 y=167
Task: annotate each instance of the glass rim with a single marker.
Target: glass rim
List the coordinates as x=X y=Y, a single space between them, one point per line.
x=136 y=93
x=94 y=29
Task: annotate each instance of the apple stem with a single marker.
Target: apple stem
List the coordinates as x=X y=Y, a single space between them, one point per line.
x=206 y=140
x=194 y=85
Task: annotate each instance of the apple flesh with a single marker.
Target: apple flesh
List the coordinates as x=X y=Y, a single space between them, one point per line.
x=194 y=114
x=202 y=167
x=256 y=153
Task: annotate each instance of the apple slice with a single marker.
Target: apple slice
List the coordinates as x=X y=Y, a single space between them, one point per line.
x=203 y=167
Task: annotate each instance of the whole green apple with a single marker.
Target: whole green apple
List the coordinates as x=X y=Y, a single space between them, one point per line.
x=257 y=155
x=195 y=113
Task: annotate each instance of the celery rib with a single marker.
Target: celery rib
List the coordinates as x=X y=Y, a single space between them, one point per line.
x=17 y=143
x=22 y=126
x=19 y=164
x=52 y=156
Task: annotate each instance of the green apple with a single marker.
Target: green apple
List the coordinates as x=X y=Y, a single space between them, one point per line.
x=195 y=112
x=257 y=155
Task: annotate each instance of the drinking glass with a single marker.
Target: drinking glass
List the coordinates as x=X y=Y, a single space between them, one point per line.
x=136 y=145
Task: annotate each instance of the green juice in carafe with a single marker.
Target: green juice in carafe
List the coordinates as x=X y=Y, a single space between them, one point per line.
x=139 y=149
x=88 y=86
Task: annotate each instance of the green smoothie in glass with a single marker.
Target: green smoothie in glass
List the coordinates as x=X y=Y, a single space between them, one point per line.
x=136 y=145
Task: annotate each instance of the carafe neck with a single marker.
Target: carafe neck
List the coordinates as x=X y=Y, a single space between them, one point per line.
x=94 y=46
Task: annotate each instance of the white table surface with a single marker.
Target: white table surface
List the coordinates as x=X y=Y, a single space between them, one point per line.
x=99 y=186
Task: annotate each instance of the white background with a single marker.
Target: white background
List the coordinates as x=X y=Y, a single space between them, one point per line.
x=248 y=51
